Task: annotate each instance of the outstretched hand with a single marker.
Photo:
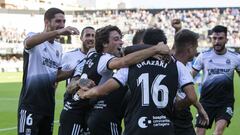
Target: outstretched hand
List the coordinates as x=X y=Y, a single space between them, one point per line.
x=68 y=31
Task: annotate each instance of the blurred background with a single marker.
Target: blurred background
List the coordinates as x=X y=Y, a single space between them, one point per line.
x=18 y=17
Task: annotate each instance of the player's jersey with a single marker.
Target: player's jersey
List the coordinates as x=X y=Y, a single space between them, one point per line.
x=71 y=59
x=183 y=118
x=153 y=85
x=218 y=70
x=40 y=68
x=95 y=68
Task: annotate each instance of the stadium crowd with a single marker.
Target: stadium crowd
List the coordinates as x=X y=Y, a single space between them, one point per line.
x=199 y=20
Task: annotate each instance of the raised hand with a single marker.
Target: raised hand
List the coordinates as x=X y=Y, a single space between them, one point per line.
x=68 y=31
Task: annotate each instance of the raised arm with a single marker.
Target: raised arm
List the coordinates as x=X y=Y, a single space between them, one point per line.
x=136 y=57
x=39 y=38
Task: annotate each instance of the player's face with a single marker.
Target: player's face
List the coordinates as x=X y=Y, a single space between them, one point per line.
x=58 y=22
x=115 y=43
x=88 y=39
x=219 y=40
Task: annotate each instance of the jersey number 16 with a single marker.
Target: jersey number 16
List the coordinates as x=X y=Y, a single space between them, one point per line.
x=156 y=89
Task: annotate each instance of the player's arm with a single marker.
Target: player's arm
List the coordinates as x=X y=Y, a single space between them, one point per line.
x=98 y=91
x=63 y=75
x=134 y=48
x=119 y=79
x=73 y=85
x=39 y=38
x=197 y=66
x=191 y=98
x=136 y=57
x=194 y=72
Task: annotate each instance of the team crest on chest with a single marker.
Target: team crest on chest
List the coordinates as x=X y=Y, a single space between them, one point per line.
x=228 y=61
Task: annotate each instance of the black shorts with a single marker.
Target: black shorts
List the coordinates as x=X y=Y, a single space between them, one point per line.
x=73 y=124
x=30 y=123
x=104 y=122
x=184 y=131
x=216 y=113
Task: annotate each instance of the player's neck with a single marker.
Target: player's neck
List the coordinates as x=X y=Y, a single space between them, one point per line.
x=181 y=57
x=221 y=52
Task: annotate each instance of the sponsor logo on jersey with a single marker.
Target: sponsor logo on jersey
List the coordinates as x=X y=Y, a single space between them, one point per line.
x=50 y=63
x=154 y=121
x=217 y=71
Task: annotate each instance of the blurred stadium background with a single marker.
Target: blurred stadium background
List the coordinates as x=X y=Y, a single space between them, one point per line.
x=18 y=17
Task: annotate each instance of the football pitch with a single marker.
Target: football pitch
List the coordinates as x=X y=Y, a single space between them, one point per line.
x=10 y=85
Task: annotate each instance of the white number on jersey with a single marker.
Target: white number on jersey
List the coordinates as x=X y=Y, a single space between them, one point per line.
x=156 y=88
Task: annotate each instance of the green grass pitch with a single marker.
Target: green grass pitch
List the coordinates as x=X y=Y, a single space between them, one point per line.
x=10 y=85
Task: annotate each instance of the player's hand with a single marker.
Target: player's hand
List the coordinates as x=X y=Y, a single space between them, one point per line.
x=82 y=92
x=203 y=117
x=85 y=83
x=162 y=48
x=176 y=24
x=68 y=31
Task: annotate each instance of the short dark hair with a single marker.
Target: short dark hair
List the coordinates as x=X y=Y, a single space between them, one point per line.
x=153 y=36
x=220 y=28
x=51 y=12
x=88 y=27
x=184 y=38
x=138 y=36
x=102 y=36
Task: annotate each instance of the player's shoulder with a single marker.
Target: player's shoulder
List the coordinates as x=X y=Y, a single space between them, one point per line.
x=74 y=53
x=234 y=53
x=208 y=51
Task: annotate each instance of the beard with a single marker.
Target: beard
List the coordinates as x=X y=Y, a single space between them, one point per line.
x=219 y=48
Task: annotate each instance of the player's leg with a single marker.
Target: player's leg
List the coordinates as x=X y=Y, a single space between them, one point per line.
x=223 y=119
x=104 y=123
x=28 y=122
x=70 y=124
x=184 y=131
x=220 y=126
x=200 y=131
x=46 y=125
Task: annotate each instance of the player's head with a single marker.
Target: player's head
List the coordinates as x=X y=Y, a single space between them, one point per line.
x=153 y=36
x=186 y=41
x=219 y=38
x=109 y=40
x=54 y=19
x=88 y=38
x=138 y=37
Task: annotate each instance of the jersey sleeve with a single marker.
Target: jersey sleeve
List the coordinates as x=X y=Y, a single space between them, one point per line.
x=121 y=76
x=65 y=63
x=79 y=68
x=198 y=64
x=184 y=76
x=30 y=34
x=103 y=63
